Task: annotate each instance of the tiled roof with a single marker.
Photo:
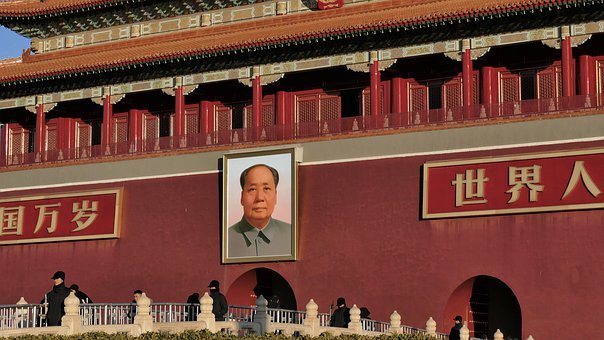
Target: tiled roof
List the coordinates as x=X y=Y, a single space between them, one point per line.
x=258 y=33
x=26 y=8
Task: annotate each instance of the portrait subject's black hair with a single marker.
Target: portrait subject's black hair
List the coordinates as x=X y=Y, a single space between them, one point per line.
x=270 y=168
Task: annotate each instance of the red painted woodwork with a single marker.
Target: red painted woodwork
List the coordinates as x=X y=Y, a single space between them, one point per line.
x=40 y=145
x=179 y=113
x=567 y=67
x=341 y=206
x=399 y=95
x=375 y=88
x=4 y=144
x=257 y=106
x=107 y=118
x=207 y=119
x=587 y=75
x=467 y=74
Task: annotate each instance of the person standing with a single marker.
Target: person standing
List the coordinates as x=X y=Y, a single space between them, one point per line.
x=80 y=294
x=56 y=300
x=192 y=306
x=220 y=307
x=454 y=334
x=341 y=316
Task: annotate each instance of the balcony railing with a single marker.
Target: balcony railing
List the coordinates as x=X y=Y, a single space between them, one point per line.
x=303 y=130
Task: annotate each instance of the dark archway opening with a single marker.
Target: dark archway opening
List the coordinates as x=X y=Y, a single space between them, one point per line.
x=261 y=281
x=487 y=304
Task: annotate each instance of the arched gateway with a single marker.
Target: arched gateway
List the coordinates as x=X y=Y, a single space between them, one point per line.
x=487 y=304
x=265 y=282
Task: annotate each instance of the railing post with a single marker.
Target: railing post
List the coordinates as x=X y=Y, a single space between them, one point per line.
x=312 y=319
x=395 y=322
x=143 y=314
x=530 y=337
x=431 y=327
x=21 y=317
x=464 y=332
x=498 y=335
x=262 y=316
x=355 y=320
x=205 y=312
x=72 y=319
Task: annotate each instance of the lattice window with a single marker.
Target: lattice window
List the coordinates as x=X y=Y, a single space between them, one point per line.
x=329 y=106
x=248 y=112
x=222 y=116
x=17 y=143
x=51 y=137
x=547 y=85
x=453 y=92
x=509 y=88
x=268 y=113
x=307 y=108
x=84 y=138
x=120 y=129
x=418 y=96
x=600 y=74
x=366 y=100
x=191 y=121
x=150 y=127
x=559 y=80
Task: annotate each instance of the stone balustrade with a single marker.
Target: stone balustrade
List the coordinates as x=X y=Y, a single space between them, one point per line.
x=259 y=321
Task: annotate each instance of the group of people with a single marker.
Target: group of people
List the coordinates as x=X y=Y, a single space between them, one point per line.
x=54 y=300
x=341 y=316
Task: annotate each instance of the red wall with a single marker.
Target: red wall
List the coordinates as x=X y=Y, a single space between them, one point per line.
x=360 y=237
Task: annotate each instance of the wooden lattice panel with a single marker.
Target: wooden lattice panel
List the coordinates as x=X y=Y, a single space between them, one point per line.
x=307 y=108
x=475 y=89
x=120 y=129
x=329 y=106
x=222 y=116
x=151 y=127
x=248 y=112
x=191 y=121
x=547 y=85
x=17 y=141
x=418 y=97
x=510 y=89
x=366 y=102
x=51 y=137
x=84 y=138
x=268 y=113
x=452 y=93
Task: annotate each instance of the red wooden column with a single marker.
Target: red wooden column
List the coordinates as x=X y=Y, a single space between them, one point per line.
x=488 y=95
x=135 y=130
x=284 y=120
x=567 y=63
x=374 y=88
x=587 y=75
x=207 y=123
x=106 y=132
x=256 y=102
x=466 y=61
x=40 y=145
x=179 y=116
x=400 y=100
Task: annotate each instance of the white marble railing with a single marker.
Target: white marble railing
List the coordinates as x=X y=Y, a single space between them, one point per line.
x=144 y=316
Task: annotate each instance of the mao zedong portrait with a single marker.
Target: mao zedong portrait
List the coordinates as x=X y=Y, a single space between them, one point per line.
x=257 y=233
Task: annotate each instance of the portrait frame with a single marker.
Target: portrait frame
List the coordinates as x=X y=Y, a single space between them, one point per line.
x=236 y=246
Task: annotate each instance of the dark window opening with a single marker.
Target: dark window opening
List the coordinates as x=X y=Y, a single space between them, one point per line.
x=32 y=140
x=351 y=102
x=164 y=125
x=528 y=86
x=96 y=127
x=435 y=96
x=237 y=116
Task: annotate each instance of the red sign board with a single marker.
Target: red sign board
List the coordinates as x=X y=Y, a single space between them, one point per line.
x=60 y=217
x=569 y=180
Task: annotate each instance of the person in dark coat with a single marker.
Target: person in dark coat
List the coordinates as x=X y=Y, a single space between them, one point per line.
x=220 y=307
x=454 y=334
x=132 y=312
x=341 y=316
x=193 y=307
x=56 y=300
x=80 y=294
